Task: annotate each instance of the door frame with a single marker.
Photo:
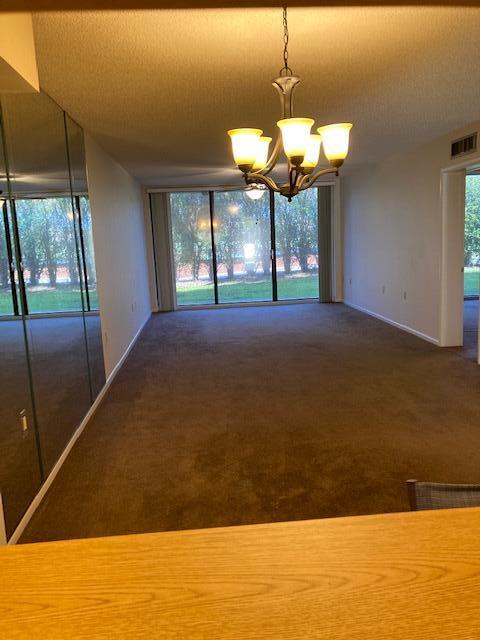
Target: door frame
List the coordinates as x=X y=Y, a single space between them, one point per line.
x=452 y=198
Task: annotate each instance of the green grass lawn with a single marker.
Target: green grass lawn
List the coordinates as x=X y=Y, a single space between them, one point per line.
x=471 y=279
x=289 y=288
x=295 y=287
x=48 y=300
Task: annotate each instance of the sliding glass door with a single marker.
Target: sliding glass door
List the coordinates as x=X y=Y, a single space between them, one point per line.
x=228 y=248
x=296 y=241
x=242 y=244
x=192 y=248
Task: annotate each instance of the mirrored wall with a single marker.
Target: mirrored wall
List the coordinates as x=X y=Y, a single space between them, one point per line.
x=51 y=362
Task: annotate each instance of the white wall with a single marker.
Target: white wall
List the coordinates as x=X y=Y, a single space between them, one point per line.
x=392 y=225
x=18 y=62
x=120 y=251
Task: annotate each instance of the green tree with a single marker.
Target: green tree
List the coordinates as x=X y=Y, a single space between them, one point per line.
x=88 y=241
x=191 y=231
x=285 y=229
x=306 y=227
x=52 y=217
x=297 y=228
x=229 y=223
x=472 y=220
x=30 y=228
x=4 y=271
x=259 y=212
x=64 y=220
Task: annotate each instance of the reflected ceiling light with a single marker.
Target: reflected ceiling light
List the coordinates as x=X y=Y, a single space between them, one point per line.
x=203 y=225
x=233 y=208
x=249 y=251
x=256 y=191
x=302 y=148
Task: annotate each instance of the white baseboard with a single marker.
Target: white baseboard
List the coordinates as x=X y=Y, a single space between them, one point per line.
x=398 y=325
x=58 y=465
x=3 y=532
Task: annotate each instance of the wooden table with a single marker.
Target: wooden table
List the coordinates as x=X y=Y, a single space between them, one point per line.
x=408 y=576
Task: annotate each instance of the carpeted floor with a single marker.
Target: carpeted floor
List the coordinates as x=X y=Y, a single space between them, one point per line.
x=235 y=416
x=60 y=373
x=470 y=330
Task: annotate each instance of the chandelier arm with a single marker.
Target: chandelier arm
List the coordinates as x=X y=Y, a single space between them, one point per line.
x=285 y=85
x=307 y=181
x=252 y=178
x=272 y=161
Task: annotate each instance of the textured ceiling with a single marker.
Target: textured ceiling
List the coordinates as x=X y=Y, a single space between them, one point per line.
x=158 y=89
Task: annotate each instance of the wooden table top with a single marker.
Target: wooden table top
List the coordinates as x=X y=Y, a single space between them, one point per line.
x=408 y=576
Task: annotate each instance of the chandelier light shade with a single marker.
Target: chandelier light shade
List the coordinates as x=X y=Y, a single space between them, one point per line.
x=302 y=148
x=245 y=147
x=335 y=140
x=295 y=135
x=262 y=153
x=312 y=153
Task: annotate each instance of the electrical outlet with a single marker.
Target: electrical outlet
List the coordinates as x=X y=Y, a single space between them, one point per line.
x=350 y=281
x=383 y=289
x=404 y=295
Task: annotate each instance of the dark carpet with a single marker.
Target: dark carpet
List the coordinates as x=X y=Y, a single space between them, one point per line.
x=470 y=330
x=235 y=416
x=60 y=376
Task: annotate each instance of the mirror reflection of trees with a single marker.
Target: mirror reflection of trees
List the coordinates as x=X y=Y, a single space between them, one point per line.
x=6 y=301
x=243 y=246
x=48 y=245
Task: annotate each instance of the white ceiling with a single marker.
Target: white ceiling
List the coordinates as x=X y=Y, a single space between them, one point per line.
x=159 y=89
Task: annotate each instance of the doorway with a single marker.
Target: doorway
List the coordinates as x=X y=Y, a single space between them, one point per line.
x=471 y=269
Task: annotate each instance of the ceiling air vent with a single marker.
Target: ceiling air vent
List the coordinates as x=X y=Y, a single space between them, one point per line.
x=464 y=145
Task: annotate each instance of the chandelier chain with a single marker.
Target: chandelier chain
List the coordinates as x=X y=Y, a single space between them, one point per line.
x=286 y=69
x=301 y=147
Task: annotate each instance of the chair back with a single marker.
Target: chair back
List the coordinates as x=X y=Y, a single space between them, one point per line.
x=435 y=495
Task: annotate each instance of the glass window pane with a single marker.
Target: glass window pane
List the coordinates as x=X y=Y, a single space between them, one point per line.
x=192 y=248
x=49 y=254
x=242 y=243
x=6 y=301
x=472 y=236
x=296 y=229
x=89 y=251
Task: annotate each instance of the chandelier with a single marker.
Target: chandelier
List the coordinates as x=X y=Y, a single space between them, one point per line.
x=301 y=147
